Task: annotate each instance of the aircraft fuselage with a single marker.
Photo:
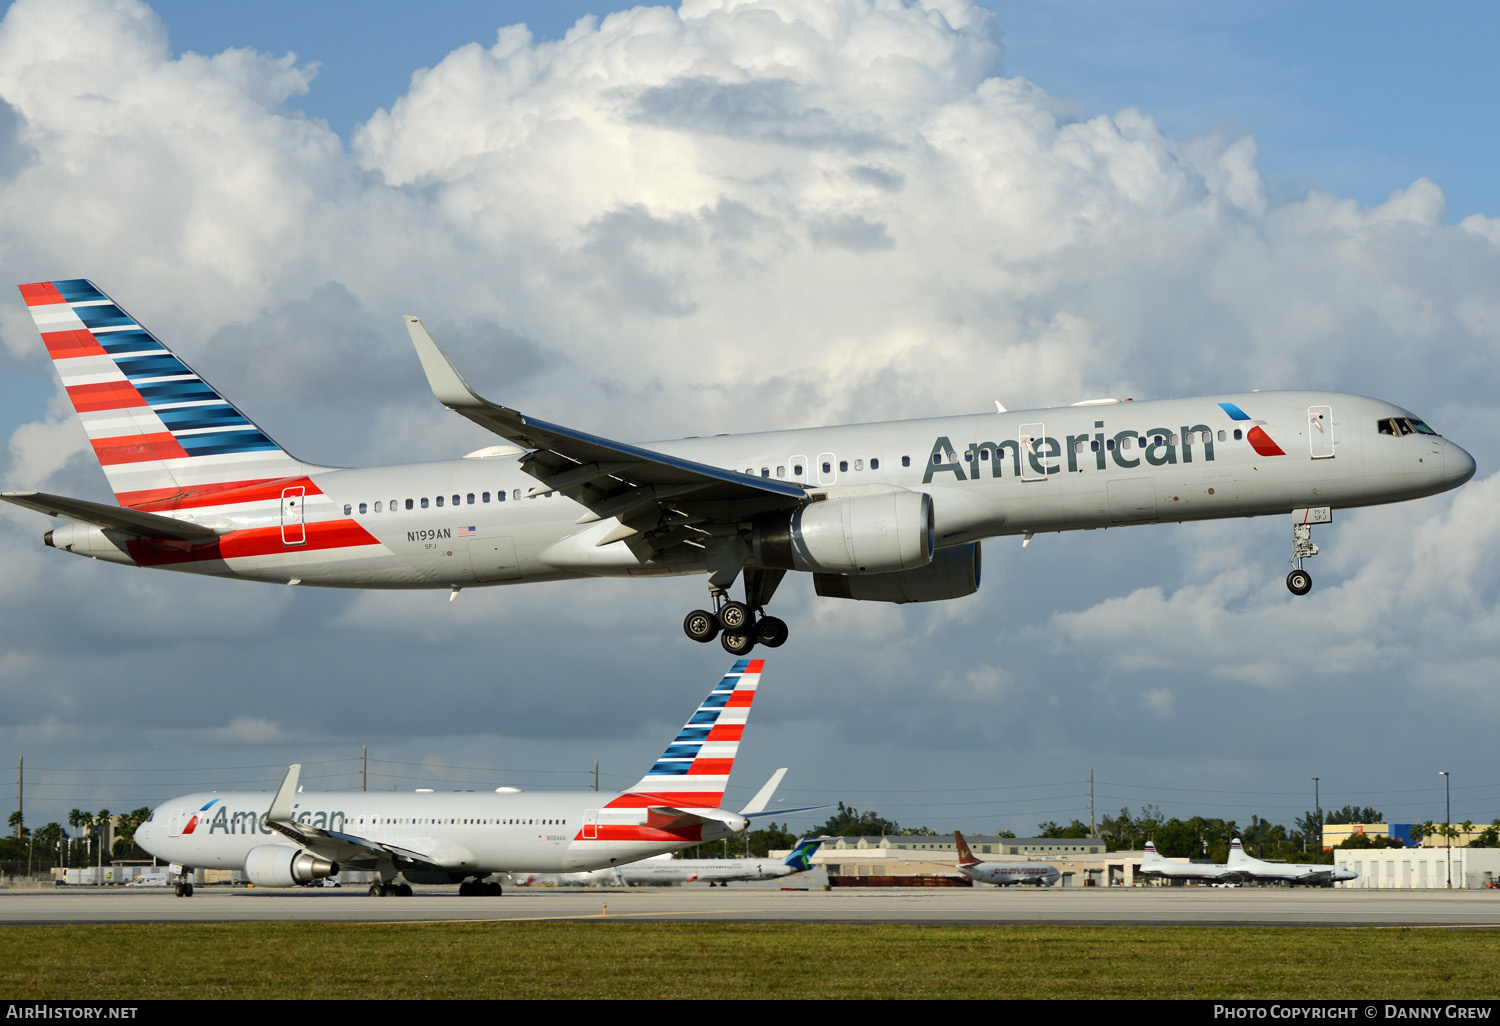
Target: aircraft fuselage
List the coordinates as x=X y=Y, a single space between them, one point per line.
x=485 y=521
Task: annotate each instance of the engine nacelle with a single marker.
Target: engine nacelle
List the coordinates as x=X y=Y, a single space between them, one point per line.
x=953 y=573
x=87 y=540
x=282 y=865
x=861 y=534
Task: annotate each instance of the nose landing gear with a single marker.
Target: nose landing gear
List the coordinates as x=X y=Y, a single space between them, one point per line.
x=1299 y=581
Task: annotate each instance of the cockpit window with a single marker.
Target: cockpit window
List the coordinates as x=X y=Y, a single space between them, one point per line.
x=1404 y=426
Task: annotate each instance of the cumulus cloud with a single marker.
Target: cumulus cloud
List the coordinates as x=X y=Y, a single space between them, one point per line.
x=729 y=215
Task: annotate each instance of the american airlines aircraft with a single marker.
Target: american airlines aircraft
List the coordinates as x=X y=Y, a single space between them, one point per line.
x=432 y=838
x=1153 y=864
x=891 y=512
x=1003 y=874
x=1247 y=868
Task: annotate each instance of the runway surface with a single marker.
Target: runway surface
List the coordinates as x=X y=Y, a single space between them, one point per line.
x=1199 y=906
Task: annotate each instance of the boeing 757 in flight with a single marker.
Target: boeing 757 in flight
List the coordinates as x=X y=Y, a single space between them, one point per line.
x=461 y=838
x=891 y=512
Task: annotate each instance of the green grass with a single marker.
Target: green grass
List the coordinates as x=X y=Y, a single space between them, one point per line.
x=725 y=960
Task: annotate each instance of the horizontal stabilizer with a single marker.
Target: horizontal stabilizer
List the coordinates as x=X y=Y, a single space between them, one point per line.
x=665 y=817
x=131 y=521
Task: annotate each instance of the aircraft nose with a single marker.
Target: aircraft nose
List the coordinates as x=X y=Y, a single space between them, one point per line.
x=1458 y=465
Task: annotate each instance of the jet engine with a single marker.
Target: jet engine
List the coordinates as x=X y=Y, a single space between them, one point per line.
x=953 y=573
x=860 y=534
x=88 y=540
x=282 y=865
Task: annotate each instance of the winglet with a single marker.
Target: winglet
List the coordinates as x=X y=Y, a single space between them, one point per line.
x=447 y=384
x=281 y=805
x=763 y=796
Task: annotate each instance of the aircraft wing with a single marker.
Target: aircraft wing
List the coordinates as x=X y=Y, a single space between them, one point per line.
x=98 y=514
x=346 y=849
x=647 y=490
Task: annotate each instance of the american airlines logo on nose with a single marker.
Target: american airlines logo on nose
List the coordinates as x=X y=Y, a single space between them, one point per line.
x=1261 y=442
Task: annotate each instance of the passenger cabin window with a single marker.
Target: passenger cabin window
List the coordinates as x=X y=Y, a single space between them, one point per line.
x=377 y=507
x=439 y=502
x=363 y=508
x=844 y=466
x=348 y=509
x=874 y=464
x=424 y=502
x=409 y=503
x=906 y=461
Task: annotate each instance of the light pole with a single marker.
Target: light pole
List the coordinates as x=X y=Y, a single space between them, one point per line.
x=1448 y=822
x=1318 y=812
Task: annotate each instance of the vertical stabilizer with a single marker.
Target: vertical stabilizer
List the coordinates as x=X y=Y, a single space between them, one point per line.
x=694 y=770
x=163 y=435
x=965 y=856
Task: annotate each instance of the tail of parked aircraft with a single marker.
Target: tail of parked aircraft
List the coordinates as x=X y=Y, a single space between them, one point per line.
x=694 y=770
x=801 y=857
x=965 y=856
x=165 y=437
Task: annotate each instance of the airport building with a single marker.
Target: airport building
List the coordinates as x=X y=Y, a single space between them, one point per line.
x=907 y=858
x=1421 y=868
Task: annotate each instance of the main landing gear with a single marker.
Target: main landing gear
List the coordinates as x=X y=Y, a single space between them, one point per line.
x=479 y=889
x=390 y=890
x=740 y=626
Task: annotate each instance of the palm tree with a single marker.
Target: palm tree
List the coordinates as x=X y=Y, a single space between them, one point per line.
x=79 y=821
x=101 y=823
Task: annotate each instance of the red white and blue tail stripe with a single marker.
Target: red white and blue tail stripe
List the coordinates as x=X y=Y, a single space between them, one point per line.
x=694 y=770
x=163 y=435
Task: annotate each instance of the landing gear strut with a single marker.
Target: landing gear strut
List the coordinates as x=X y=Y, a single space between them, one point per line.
x=1299 y=581
x=740 y=626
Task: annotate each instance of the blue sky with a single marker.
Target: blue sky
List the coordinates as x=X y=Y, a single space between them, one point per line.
x=839 y=237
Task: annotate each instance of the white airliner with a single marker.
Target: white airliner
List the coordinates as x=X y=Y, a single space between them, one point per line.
x=890 y=512
x=1153 y=864
x=1247 y=868
x=433 y=838
x=716 y=871
x=1003 y=874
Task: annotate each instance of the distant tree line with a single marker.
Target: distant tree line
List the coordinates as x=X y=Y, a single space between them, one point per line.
x=42 y=849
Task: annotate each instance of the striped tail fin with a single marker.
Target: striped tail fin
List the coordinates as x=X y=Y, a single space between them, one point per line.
x=164 y=436
x=694 y=770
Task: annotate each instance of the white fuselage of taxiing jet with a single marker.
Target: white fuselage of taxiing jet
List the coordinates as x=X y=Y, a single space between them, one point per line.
x=483 y=521
x=1005 y=874
x=467 y=834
